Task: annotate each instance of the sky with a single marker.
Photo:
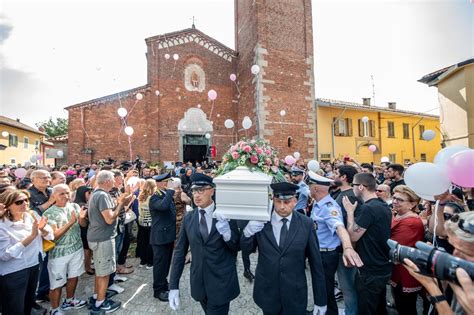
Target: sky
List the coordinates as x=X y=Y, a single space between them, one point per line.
x=58 y=53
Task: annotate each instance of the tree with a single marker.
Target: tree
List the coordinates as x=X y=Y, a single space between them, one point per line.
x=54 y=128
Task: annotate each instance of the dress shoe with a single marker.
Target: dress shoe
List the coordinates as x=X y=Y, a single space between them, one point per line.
x=249 y=275
x=162 y=296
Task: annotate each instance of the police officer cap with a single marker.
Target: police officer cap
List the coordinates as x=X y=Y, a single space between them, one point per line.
x=314 y=178
x=162 y=177
x=295 y=171
x=284 y=190
x=201 y=180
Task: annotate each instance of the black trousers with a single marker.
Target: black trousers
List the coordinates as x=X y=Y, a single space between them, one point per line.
x=211 y=309
x=161 y=266
x=144 y=249
x=371 y=292
x=127 y=236
x=18 y=291
x=241 y=224
x=330 y=262
x=405 y=302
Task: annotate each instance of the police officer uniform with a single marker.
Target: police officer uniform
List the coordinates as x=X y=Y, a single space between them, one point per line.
x=302 y=192
x=162 y=236
x=328 y=217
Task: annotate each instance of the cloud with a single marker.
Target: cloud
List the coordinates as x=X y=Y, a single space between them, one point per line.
x=5 y=29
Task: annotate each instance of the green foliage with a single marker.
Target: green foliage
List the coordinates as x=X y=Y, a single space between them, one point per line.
x=54 y=128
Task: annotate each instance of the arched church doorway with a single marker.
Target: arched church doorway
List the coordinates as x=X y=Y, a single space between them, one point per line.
x=193 y=143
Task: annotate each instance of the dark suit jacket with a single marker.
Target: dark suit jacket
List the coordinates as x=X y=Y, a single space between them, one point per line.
x=213 y=267
x=163 y=218
x=280 y=279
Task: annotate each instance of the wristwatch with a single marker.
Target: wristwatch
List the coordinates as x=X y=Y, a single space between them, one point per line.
x=436 y=299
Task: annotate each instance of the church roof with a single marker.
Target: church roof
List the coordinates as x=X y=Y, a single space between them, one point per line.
x=188 y=35
x=111 y=97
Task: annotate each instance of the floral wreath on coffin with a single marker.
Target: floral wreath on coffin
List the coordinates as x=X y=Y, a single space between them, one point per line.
x=257 y=155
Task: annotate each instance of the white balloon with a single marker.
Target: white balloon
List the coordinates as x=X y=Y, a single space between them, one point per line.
x=282 y=113
x=313 y=165
x=60 y=153
x=139 y=96
x=255 y=69
x=297 y=155
x=426 y=179
x=157 y=93
x=33 y=158
x=208 y=136
x=365 y=119
x=122 y=112
x=246 y=123
x=384 y=159
x=175 y=56
x=199 y=106
x=129 y=131
x=229 y=123
x=442 y=157
x=5 y=134
x=428 y=135
x=167 y=56
x=132 y=181
x=27 y=164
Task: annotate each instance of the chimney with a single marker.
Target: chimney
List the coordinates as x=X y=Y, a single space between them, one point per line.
x=366 y=101
x=18 y=119
x=392 y=105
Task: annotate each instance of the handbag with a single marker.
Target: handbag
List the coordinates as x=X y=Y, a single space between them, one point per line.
x=47 y=244
x=130 y=216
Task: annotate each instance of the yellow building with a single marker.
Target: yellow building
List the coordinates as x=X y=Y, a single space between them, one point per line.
x=19 y=142
x=456 y=101
x=396 y=133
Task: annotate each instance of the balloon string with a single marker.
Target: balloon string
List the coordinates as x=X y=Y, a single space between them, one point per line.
x=82 y=123
x=435 y=223
x=212 y=109
x=123 y=124
x=130 y=146
x=238 y=90
x=174 y=67
x=131 y=110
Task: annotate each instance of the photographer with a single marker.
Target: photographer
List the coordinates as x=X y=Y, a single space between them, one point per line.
x=460 y=232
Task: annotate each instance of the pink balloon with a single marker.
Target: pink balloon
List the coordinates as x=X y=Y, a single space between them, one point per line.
x=212 y=95
x=233 y=77
x=39 y=157
x=460 y=168
x=290 y=160
x=372 y=148
x=20 y=172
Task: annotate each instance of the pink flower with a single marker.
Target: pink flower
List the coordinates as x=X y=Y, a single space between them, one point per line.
x=268 y=152
x=259 y=151
x=254 y=159
x=276 y=162
x=247 y=148
x=242 y=145
x=235 y=155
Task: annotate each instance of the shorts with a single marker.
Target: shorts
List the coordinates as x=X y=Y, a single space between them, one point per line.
x=104 y=257
x=62 y=268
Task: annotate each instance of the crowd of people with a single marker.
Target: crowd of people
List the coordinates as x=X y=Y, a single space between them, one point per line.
x=58 y=223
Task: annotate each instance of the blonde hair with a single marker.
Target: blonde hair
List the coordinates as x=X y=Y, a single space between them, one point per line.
x=76 y=183
x=148 y=189
x=403 y=189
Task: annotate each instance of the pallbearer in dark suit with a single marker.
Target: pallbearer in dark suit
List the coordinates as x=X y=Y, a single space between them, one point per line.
x=214 y=245
x=162 y=235
x=283 y=245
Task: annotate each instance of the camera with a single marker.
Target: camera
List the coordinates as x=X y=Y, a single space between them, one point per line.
x=431 y=261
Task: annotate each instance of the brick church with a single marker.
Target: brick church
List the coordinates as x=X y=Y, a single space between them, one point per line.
x=172 y=116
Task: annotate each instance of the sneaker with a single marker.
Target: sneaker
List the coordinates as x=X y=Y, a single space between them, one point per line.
x=108 y=306
x=56 y=312
x=116 y=288
x=148 y=267
x=74 y=304
x=120 y=278
x=38 y=309
x=91 y=302
x=141 y=265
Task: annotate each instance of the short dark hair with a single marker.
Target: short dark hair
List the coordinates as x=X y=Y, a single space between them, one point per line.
x=397 y=168
x=349 y=171
x=368 y=180
x=368 y=166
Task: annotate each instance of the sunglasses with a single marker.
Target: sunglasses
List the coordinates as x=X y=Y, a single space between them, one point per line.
x=398 y=199
x=447 y=216
x=462 y=224
x=20 y=202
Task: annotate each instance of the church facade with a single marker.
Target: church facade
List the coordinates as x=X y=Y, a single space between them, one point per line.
x=174 y=117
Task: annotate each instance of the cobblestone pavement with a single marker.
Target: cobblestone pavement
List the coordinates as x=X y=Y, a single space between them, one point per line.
x=138 y=295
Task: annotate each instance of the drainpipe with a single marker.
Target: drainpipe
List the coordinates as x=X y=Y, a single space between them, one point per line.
x=332 y=132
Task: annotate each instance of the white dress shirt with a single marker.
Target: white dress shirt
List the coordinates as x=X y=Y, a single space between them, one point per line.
x=13 y=255
x=277 y=224
x=208 y=215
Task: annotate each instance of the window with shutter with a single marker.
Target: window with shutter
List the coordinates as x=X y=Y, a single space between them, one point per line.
x=422 y=129
x=336 y=127
x=372 y=128
x=361 y=128
x=406 y=131
x=349 y=126
x=391 y=129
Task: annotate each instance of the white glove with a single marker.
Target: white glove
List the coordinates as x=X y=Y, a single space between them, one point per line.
x=173 y=297
x=253 y=227
x=223 y=227
x=321 y=310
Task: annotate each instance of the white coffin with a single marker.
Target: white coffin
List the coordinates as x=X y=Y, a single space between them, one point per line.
x=244 y=195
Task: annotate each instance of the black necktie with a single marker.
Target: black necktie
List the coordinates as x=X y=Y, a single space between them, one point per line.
x=283 y=232
x=203 y=225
